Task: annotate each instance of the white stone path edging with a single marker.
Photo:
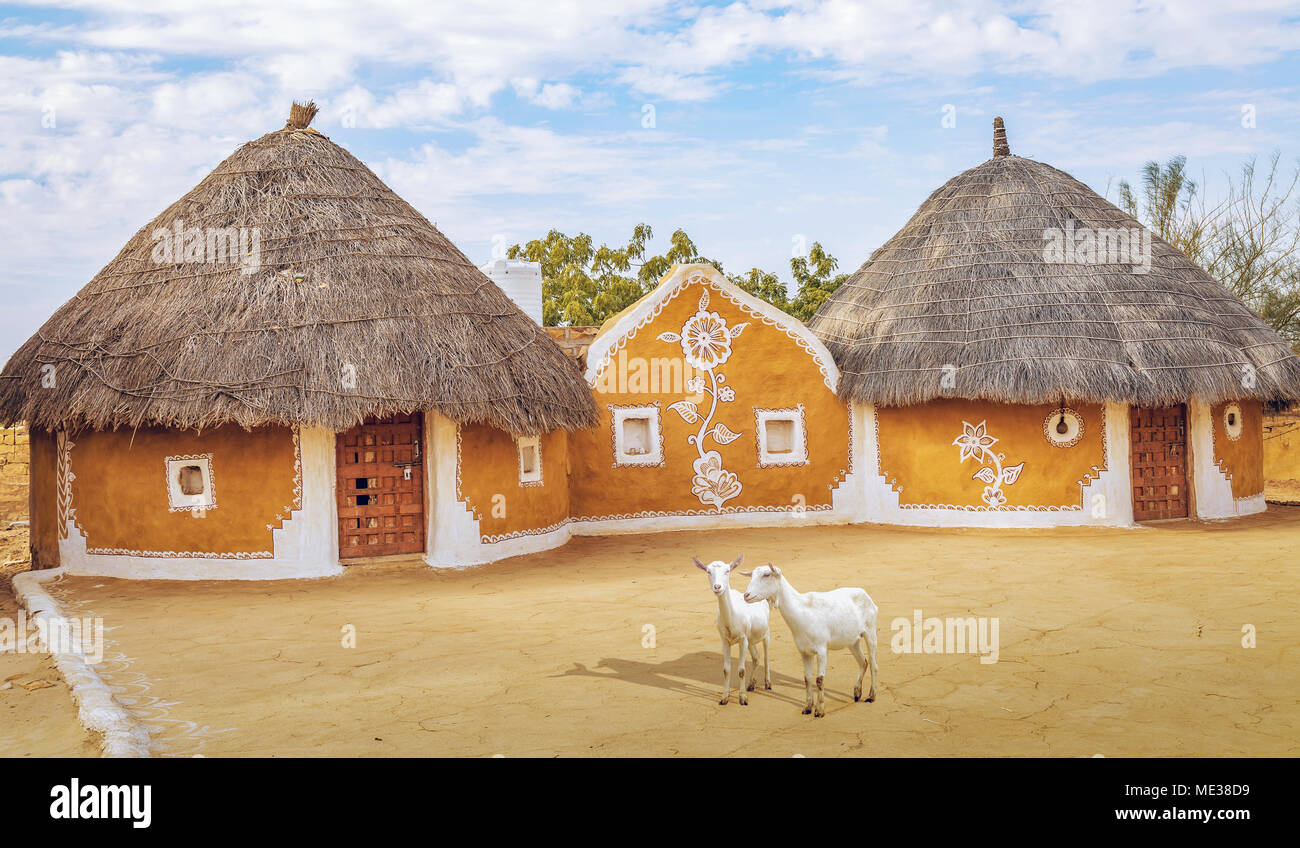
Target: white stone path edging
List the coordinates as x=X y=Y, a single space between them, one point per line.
x=97 y=710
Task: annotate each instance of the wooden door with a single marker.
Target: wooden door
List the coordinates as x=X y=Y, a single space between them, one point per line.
x=1159 y=455
x=380 y=486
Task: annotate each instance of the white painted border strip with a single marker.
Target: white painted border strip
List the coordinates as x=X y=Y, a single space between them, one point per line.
x=124 y=735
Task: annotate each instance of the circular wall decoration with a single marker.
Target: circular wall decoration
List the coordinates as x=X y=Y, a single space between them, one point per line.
x=1063 y=427
x=1232 y=421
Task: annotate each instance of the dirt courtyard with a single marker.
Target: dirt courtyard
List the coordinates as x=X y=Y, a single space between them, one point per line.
x=1113 y=642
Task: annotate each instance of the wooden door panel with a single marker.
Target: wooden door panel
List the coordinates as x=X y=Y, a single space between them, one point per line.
x=381 y=510
x=1159 y=462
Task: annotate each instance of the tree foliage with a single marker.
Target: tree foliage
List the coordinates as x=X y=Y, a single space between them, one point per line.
x=584 y=285
x=1248 y=240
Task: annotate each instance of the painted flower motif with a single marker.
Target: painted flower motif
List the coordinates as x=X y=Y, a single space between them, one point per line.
x=705 y=341
x=974 y=441
x=712 y=483
x=726 y=394
x=993 y=496
x=695 y=385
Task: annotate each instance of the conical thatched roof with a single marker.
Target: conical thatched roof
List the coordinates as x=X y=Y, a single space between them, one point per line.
x=970 y=284
x=355 y=305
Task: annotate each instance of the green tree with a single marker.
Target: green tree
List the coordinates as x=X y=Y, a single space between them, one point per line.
x=817 y=280
x=583 y=285
x=764 y=286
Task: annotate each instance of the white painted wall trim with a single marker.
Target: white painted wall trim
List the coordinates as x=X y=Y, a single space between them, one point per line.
x=1105 y=501
x=305 y=545
x=453 y=537
x=1212 y=487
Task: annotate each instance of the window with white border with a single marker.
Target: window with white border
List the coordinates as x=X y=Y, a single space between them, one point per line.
x=638 y=437
x=782 y=437
x=189 y=483
x=530 y=460
x=1232 y=425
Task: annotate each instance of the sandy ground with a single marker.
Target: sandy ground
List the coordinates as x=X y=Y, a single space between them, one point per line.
x=1114 y=642
x=37 y=716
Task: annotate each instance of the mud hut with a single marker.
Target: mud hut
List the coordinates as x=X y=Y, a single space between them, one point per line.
x=1023 y=353
x=272 y=377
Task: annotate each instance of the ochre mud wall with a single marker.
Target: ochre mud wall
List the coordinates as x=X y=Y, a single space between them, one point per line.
x=1241 y=459
x=488 y=482
x=918 y=457
x=120 y=490
x=765 y=369
x=1282 y=447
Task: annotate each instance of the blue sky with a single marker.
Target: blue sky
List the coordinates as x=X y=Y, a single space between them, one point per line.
x=775 y=124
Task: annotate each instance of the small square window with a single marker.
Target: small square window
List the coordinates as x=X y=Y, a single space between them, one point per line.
x=782 y=439
x=780 y=436
x=636 y=436
x=638 y=439
x=189 y=483
x=191 y=479
x=530 y=460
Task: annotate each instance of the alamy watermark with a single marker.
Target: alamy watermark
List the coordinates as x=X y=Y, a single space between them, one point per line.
x=1069 y=245
x=240 y=246
x=970 y=635
x=27 y=635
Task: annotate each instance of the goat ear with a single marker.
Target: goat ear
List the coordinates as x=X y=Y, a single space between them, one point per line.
x=699 y=564
x=737 y=561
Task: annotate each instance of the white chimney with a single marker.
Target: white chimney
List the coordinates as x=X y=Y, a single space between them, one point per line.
x=521 y=281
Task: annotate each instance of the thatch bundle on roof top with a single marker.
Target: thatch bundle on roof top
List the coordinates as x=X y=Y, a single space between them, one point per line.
x=965 y=290
x=341 y=302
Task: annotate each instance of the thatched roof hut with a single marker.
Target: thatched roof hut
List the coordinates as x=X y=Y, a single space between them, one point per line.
x=970 y=288
x=337 y=301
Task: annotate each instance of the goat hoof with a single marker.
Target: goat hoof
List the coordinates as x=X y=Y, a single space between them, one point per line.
x=807 y=710
x=819 y=713
x=744 y=702
x=767 y=685
x=870 y=698
x=723 y=702
x=857 y=694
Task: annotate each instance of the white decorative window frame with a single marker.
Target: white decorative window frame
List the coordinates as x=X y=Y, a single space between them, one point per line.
x=620 y=413
x=534 y=477
x=1049 y=428
x=799 y=456
x=1233 y=408
x=178 y=500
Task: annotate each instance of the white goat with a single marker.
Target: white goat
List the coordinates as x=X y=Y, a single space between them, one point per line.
x=738 y=622
x=820 y=620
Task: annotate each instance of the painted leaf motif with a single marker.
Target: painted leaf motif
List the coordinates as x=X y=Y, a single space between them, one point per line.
x=738 y=329
x=687 y=410
x=704 y=300
x=669 y=337
x=985 y=475
x=722 y=435
x=1011 y=473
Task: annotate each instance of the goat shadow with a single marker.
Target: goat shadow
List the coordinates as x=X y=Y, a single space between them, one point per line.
x=696 y=674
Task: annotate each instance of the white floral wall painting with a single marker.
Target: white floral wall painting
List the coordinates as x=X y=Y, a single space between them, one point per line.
x=976 y=443
x=706 y=343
